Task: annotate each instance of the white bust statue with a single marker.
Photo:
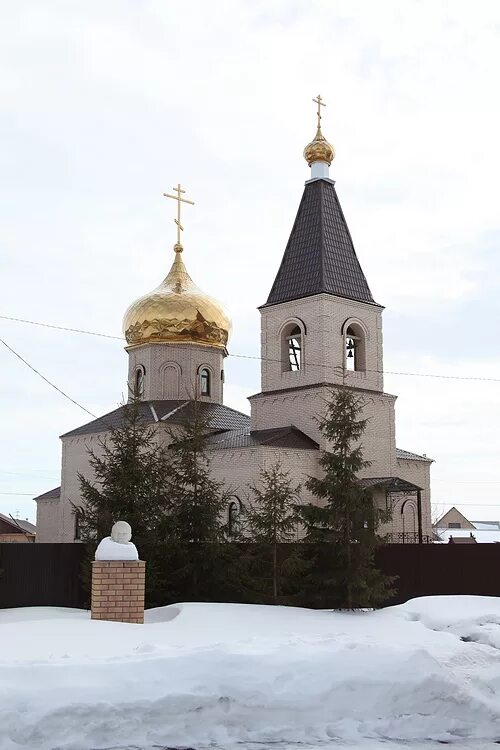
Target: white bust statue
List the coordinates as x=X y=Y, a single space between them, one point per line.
x=121 y=533
x=117 y=546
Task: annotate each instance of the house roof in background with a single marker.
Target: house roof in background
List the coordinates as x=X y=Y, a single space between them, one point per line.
x=457 y=539
x=50 y=495
x=482 y=535
x=19 y=525
x=319 y=257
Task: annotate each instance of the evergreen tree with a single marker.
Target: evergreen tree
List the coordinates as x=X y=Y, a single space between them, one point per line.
x=197 y=506
x=271 y=520
x=131 y=483
x=344 y=523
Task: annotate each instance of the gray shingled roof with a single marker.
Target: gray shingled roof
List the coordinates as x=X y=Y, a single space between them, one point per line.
x=219 y=417
x=19 y=524
x=320 y=256
x=412 y=456
x=279 y=437
x=50 y=495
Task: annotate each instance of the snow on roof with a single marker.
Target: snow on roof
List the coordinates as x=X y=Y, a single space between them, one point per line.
x=489 y=525
x=482 y=535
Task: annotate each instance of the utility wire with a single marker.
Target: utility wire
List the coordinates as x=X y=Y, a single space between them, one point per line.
x=52 y=385
x=28 y=494
x=262 y=359
x=61 y=328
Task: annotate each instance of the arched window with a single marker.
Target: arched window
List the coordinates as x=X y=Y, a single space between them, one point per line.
x=205 y=382
x=234 y=510
x=292 y=348
x=409 y=522
x=171 y=375
x=355 y=350
x=139 y=381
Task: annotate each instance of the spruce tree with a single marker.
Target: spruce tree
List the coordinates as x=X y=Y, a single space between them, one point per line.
x=197 y=506
x=131 y=472
x=271 y=520
x=130 y=483
x=344 y=522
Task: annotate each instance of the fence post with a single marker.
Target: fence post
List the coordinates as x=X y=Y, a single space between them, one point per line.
x=118 y=578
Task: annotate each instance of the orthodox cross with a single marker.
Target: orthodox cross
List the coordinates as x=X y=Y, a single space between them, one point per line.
x=179 y=200
x=319 y=101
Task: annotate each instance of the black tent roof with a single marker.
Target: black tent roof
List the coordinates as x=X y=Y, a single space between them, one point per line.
x=320 y=256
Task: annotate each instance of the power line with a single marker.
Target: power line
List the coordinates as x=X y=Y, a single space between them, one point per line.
x=469 y=481
x=469 y=505
x=61 y=328
x=27 y=474
x=474 y=378
x=27 y=494
x=52 y=385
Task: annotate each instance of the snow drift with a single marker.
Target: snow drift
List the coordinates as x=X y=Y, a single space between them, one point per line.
x=197 y=674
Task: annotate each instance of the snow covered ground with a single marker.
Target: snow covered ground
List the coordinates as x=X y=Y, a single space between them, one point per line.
x=223 y=674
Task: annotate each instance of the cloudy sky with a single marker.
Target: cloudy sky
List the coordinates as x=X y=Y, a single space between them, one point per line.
x=106 y=105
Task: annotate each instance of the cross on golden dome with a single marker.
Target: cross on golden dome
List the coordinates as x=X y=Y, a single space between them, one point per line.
x=180 y=228
x=319 y=151
x=319 y=101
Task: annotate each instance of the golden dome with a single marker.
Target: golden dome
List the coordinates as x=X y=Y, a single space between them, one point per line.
x=319 y=149
x=177 y=312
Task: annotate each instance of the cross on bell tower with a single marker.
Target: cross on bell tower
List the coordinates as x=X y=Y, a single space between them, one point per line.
x=319 y=101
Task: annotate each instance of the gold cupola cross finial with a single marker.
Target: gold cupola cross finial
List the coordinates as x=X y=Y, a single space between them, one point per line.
x=319 y=101
x=179 y=199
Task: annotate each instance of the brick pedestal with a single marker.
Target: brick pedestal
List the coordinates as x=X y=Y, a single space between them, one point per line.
x=118 y=590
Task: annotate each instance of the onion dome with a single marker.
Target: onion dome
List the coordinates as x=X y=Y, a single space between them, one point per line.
x=319 y=149
x=177 y=312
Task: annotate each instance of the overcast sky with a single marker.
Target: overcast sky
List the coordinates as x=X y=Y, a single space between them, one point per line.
x=104 y=105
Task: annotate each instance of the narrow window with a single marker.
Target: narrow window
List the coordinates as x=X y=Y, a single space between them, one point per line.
x=139 y=382
x=355 y=355
x=233 y=516
x=205 y=382
x=78 y=528
x=294 y=339
x=351 y=354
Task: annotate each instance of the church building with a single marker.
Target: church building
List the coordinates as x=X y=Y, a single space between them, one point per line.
x=320 y=328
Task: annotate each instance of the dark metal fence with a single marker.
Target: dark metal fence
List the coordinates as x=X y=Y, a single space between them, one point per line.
x=37 y=575
x=51 y=574
x=438 y=569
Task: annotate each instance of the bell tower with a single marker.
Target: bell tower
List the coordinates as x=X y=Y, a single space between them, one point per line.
x=320 y=325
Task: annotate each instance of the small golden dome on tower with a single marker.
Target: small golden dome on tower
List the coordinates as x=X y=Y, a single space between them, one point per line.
x=177 y=312
x=319 y=149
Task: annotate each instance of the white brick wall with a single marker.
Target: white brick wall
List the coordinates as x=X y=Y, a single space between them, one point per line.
x=323 y=317
x=163 y=362
x=47 y=520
